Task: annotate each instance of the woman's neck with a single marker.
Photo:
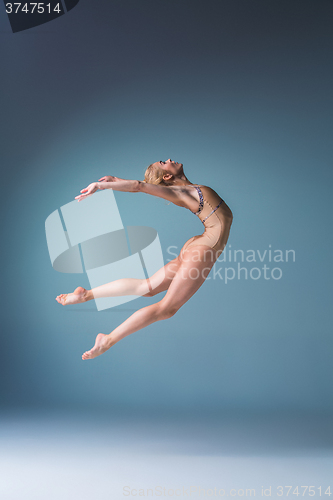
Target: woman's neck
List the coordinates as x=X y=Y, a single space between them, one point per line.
x=181 y=181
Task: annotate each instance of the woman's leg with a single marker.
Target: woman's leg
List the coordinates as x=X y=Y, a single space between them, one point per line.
x=157 y=283
x=195 y=265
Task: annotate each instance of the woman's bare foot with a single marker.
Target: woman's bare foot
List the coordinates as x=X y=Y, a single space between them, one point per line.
x=102 y=344
x=79 y=295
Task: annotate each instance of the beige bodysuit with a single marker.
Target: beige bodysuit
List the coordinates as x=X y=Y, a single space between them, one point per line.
x=217 y=218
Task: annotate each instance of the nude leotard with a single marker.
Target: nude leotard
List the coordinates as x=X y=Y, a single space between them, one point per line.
x=216 y=216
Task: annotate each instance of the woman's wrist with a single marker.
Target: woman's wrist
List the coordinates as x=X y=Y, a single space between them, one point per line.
x=103 y=185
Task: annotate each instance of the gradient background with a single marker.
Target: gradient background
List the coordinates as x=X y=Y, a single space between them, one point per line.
x=240 y=92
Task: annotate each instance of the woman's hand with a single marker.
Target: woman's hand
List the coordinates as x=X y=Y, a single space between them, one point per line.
x=92 y=188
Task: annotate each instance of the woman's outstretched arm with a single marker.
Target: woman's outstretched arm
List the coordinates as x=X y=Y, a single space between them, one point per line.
x=116 y=184
x=176 y=194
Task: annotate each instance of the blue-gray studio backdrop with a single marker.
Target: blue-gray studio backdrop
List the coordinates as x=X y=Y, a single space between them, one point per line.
x=240 y=92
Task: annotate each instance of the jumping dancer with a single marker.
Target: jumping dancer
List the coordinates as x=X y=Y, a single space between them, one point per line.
x=182 y=276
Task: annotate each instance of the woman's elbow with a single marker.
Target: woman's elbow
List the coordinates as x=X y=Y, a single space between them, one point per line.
x=137 y=186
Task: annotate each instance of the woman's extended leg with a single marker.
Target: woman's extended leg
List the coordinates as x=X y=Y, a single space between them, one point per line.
x=157 y=283
x=192 y=272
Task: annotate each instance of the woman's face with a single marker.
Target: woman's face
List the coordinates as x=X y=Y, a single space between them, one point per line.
x=171 y=167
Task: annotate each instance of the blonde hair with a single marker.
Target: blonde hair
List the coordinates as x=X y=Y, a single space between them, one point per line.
x=154 y=175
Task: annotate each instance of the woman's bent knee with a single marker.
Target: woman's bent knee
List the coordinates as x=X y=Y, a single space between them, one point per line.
x=144 y=288
x=167 y=312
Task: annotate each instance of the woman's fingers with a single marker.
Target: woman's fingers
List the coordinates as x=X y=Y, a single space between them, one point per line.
x=81 y=196
x=107 y=178
x=87 y=191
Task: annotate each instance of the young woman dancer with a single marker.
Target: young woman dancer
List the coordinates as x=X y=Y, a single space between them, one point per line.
x=182 y=276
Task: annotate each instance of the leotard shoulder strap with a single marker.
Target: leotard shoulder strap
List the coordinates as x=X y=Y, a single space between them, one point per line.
x=201 y=203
